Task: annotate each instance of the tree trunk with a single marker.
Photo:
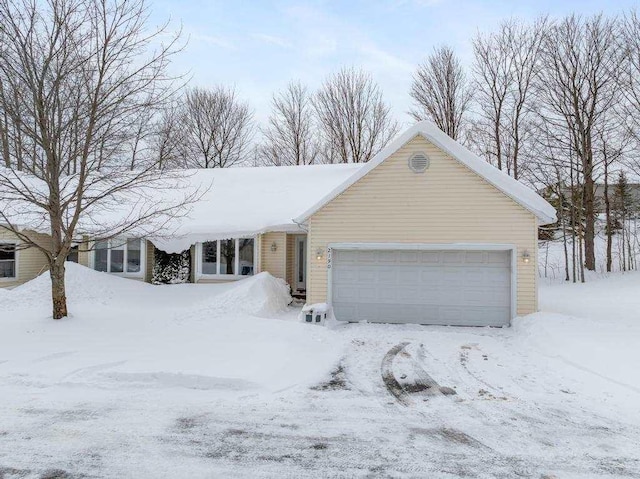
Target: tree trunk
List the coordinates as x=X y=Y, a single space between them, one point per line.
x=58 y=291
x=589 y=223
x=580 y=254
x=607 y=209
x=564 y=238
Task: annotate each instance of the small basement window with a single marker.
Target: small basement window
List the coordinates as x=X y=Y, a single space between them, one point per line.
x=418 y=162
x=8 y=256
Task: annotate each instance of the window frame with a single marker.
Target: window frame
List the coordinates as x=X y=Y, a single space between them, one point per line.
x=124 y=244
x=16 y=256
x=224 y=276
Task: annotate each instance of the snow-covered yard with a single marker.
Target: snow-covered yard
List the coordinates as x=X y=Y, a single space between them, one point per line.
x=222 y=381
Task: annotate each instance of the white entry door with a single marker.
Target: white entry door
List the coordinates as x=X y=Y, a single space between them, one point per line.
x=448 y=287
x=301 y=263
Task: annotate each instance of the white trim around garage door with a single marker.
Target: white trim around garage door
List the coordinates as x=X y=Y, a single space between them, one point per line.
x=431 y=247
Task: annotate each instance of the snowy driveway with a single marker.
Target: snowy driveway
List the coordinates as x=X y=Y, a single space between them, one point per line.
x=530 y=402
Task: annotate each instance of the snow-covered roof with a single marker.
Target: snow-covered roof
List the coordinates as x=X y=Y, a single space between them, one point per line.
x=244 y=202
x=517 y=191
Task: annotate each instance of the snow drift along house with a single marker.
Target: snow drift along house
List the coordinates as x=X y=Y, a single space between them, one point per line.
x=426 y=232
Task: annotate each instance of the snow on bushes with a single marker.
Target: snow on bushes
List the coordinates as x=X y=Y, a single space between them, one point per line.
x=171 y=268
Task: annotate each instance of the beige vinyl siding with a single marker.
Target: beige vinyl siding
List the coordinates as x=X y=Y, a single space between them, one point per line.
x=192 y=254
x=31 y=261
x=84 y=252
x=274 y=261
x=447 y=204
x=291 y=259
x=149 y=260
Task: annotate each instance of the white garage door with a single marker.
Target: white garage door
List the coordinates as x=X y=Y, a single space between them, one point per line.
x=448 y=287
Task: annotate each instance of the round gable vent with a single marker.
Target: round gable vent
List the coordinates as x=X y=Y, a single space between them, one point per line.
x=418 y=162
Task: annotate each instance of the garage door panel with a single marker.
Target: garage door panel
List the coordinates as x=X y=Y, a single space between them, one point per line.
x=407 y=295
x=388 y=257
x=476 y=257
x=409 y=277
x=430 y=257
x=452 y=257
x=388 y=275
x=498 y=258
x=408 y=257
x=428 y=287
x=367 y=275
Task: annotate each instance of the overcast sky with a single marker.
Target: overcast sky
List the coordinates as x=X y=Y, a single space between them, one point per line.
x=259 y=46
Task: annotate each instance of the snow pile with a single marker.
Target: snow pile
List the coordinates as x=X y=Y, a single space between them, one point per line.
x=83 y=285
x=260 y=295
x=593 y=326
x=123 y=334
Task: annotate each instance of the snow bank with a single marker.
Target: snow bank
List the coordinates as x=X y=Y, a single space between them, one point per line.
x=259 y=295
x=83 y=285
x=123 y=333
x=593 y=326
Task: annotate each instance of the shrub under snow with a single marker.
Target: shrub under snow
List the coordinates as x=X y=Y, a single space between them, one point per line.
x=171 y=268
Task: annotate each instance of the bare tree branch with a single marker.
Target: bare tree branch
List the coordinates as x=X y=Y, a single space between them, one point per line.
x=441 y=93
x=289 y=138
x=353 y=119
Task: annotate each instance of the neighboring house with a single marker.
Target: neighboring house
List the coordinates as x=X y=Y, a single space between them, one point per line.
x=426 y=232
x=633 y=192
x=19 y=263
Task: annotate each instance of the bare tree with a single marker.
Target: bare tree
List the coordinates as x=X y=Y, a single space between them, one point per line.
x=218 y=128
x=169 y=140
x=577 y=87
x=76 y=76
x=354 y=121
x=505 y=66
x=629 y=83
x=441 y=92
x=289 y=138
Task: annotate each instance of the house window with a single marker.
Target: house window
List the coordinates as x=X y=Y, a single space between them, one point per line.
x=246 y=254
x=231 y=257
x=118 y=256
x=101 y=256
x=116 y=261
x=228 y=256
x=73 y=254
x=134 y=255
x=8 y=256
x=210 y=257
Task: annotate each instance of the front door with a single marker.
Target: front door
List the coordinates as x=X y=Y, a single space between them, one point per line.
x=301 y=264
